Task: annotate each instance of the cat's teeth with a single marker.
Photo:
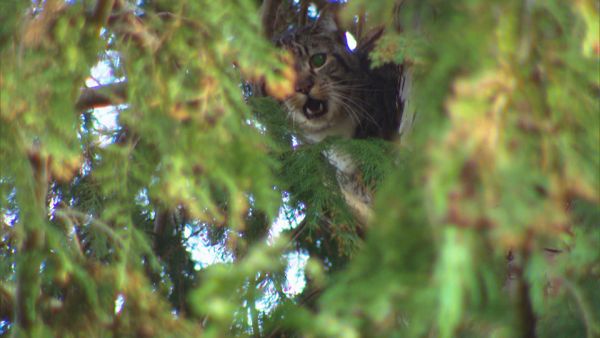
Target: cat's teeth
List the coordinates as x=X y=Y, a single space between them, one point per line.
x=320 y=109
x=314 y=108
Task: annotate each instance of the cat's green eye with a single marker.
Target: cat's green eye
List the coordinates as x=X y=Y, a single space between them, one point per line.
x=318 y=60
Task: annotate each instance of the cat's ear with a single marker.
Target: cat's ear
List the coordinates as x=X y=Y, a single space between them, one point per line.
x=327 y=22
x=367 y=42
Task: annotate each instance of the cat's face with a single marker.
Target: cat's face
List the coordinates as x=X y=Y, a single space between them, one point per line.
x=324 y=100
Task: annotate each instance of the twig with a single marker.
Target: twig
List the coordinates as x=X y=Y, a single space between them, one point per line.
x=94 y=222
x=303 y=12
x=7 y=300
x=31 y=245
x=592 y=328
x=101 y=96
x=268 y=13
x=127 y=24
x=102 y=12
x=253 y=312
x=71 y=225
x=526 y=316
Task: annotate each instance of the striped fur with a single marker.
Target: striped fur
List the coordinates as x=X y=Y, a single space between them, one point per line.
x=359 y=102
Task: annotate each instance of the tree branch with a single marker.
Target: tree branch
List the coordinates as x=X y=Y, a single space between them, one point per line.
x=101 y=96
x=30 y=247
x=252 y=305
x=303 y=12
x=7 y=300
x=268 y=16
x=101 y=13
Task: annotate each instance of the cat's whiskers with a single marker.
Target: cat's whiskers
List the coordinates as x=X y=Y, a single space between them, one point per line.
x=334 y=95
x=292 y=102
x=354 y=100
x=350 y=85
x=348 y=109
x=353 y=107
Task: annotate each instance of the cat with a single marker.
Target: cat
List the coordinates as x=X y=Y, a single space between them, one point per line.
x=337 y=94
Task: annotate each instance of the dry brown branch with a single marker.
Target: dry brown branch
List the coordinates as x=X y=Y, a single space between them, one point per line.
x=102 y=12
x=37 y=28
x=114 y=94
x=268 y=14
x=6 y=302
x=101 y=96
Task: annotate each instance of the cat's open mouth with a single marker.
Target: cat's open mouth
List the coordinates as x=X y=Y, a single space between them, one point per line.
x=314 y=108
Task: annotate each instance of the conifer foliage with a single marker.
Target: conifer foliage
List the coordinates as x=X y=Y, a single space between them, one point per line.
x=149 y=189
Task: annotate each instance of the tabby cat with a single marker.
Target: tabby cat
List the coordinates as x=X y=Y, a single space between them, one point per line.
x=338 y=94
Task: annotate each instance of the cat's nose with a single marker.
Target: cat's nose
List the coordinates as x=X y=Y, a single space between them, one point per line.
x=304 y=85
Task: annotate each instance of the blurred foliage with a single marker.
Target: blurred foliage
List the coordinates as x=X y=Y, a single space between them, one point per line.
x=99 y=218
